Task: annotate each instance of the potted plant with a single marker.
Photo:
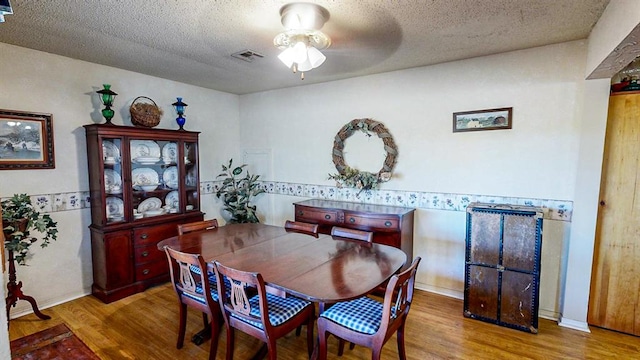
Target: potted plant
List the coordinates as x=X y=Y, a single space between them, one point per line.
x=237 y=191
x=19 y=218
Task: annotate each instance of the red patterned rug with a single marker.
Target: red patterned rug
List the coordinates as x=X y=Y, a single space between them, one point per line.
x=58 y=342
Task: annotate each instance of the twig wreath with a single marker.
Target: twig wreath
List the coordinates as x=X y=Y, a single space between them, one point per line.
x=351 y=177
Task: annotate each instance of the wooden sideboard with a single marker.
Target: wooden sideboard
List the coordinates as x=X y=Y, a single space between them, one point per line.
x=391 y=225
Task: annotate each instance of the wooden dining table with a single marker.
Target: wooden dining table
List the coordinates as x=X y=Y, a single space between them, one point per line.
x=319 y=268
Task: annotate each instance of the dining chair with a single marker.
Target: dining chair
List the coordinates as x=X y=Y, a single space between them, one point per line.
x=353 y=234
x=264 y=316
x=197 y=226
x=301 y=227
x=196 y=291
x=369 y=322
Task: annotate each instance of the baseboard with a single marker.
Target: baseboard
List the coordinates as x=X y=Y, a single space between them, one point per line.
x=549 y=315
x=440 y=290
x=545 y=314
x=24 y=308
x=575 y=325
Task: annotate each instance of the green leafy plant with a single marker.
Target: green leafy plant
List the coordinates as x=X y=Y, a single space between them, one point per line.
x=19 y=218
x=237 y=191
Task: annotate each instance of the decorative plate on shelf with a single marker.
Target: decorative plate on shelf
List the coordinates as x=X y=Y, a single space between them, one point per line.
x=170 y=153
x=112 y=181
x=150 y=204
x=144 y=176
x=172 y=200
x=170 y=177
x=110 y=152
x=144 y=160
x=149 y=213
x=144 y=149
x=115 y=208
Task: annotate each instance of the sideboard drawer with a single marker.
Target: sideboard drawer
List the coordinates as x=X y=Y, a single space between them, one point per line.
x=318 y=215
x=148 y=253
x=151 y=235
x=152 y=269
x=373 y=223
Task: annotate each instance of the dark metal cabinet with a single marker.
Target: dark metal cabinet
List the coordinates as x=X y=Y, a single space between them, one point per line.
x=502 y=264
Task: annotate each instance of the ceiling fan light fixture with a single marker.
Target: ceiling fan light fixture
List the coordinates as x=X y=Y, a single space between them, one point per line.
x=302 y=41
x=300 y=52
x=287 y=57
x=316 y=58
x=305 y=66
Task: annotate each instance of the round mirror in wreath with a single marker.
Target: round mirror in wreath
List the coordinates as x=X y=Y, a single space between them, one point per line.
x=352 y=177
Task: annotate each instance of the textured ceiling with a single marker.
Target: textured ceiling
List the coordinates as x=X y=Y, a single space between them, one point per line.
x=191 y=41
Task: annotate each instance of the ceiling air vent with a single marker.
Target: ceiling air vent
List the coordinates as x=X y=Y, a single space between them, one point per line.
x=247 y=55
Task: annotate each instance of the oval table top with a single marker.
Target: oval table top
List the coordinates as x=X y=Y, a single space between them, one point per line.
x=321 y=269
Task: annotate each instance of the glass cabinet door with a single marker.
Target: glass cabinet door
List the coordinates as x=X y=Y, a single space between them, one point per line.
x=154 y=178
x=192 y=186
x=112 y=169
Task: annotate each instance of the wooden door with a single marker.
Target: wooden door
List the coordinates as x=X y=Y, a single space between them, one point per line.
x=615 y=280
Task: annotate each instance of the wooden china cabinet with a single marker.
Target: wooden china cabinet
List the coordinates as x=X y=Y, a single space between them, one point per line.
x=143 y=183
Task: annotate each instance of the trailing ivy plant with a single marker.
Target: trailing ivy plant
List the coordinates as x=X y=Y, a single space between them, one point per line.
x=237 y=192
x=19 y=218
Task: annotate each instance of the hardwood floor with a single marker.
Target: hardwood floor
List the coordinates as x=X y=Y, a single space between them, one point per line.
x=144 y=326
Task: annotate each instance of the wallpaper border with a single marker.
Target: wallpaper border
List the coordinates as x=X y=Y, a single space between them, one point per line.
x=560 y=210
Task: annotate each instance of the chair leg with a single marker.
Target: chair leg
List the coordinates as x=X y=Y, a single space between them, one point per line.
x=205 y=320
x=340 y=347
x=322 y=346
x=401 y=350
x=310 y=339
x=230 y=345
x=183 y=325
x=271 y=347
x=375 y=353
x=215 y=334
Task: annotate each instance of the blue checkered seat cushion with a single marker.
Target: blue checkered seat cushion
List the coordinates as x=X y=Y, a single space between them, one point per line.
x=196 y=270
x=280 y=309
x=362 y=314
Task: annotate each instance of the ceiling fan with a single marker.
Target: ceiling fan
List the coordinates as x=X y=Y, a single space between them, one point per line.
x=302 y=40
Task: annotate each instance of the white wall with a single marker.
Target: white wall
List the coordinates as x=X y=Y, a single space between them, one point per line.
x=536 y=159
x=617 y=21
x=42 y=82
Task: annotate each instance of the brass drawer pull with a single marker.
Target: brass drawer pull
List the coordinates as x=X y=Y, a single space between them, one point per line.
x=301 y=213
x=145 y=271
x=144 y=236
x=387 y=223
x=145 y=253
x=328 y=217
x=352 y=220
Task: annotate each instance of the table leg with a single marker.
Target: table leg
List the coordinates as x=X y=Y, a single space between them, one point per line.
x=201 y=336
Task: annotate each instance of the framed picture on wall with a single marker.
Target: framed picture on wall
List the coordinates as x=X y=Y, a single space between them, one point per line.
x=26 y=140
x=477 y=120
